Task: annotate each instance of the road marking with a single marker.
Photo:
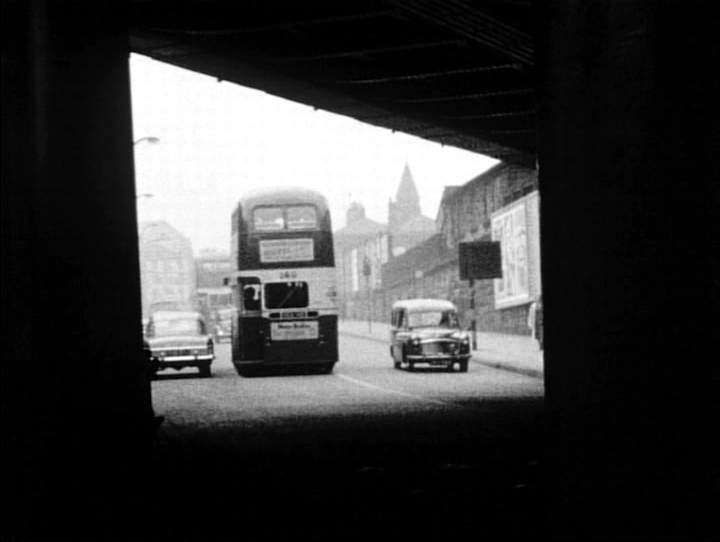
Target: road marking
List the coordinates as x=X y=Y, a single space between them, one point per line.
x=391 y=391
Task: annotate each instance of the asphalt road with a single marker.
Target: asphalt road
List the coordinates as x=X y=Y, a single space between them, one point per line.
x=364 y=452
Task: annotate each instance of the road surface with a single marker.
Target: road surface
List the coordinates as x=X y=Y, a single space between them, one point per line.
x=364 y=452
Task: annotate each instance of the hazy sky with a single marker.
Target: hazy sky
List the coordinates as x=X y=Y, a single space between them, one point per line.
x=218 y=140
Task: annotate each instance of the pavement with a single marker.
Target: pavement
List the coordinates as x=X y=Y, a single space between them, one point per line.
x=514 y=353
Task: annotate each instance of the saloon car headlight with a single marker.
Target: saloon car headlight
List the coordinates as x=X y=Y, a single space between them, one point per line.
x=461 y=336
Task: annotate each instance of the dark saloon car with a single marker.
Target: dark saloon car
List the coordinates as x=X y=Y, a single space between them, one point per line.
x=174 y=340
x=427 y=331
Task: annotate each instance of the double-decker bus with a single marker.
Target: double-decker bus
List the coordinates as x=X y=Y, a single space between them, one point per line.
x=214 y=299
x=283 y=285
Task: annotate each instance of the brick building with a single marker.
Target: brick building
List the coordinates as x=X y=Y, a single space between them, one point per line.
x=500 y=204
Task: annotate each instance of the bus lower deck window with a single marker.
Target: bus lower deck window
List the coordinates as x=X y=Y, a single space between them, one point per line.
x=281 y=295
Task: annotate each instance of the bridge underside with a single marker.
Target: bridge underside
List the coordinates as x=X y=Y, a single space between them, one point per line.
x=612 y=100
x=443 y=71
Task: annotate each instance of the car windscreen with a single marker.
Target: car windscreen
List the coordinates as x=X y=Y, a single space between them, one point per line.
x=282 y=295
x=432 y=318
x=177 y=326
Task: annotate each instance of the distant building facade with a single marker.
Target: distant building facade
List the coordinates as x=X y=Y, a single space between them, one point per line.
x=501 y=204
x=364 y=246
x=167 y=268
x=360 y=239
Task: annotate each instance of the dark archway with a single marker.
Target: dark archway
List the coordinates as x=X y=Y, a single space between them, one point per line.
x=628 y=176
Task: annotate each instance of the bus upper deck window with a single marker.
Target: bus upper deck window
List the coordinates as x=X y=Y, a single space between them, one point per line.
x=301 y=217
x=268 y=219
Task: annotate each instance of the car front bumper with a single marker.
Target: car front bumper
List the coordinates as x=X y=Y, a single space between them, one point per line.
x=178 y=362
x=437 y=358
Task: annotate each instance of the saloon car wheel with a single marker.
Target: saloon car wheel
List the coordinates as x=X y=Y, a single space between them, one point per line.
x=463 y=366
x=205 y=370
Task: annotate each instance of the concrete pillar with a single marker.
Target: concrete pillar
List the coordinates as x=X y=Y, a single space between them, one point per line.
x=626 y=176
x=77 y=392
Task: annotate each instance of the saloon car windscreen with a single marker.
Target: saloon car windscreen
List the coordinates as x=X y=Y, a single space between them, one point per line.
x=432 y=319
x=170 y=328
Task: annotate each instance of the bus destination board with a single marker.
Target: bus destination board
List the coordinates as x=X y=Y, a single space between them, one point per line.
x=286 y=250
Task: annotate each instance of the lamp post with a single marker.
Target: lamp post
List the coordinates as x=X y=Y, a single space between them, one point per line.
x=150 y=139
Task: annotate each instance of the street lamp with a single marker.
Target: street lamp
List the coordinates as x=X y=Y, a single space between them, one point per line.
x=150 y=139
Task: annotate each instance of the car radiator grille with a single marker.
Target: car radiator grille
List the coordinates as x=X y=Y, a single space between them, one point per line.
x=439 y=348
x=168 y=353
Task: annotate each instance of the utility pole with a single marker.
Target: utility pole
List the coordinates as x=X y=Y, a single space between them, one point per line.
x=473 y=323
x=366 y=271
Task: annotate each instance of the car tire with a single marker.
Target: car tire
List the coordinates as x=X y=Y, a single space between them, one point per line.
x=326 y=368
x=204 y=370
x=409 y=364
x=463 y=366
x=396 y=363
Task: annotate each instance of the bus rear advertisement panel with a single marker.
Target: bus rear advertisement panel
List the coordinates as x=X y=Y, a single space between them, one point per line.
x=294 y=330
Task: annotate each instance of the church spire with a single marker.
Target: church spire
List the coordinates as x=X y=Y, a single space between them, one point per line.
x=407 y=202
x=407 y=195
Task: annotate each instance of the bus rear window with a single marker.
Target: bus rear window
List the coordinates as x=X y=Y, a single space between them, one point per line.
x=301 y=217
x=282 y=295
x=268 y=219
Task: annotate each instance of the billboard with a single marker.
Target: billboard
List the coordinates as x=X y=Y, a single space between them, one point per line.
x=516 y=227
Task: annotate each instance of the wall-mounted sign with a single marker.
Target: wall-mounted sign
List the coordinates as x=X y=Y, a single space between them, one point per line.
x=479 y=260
